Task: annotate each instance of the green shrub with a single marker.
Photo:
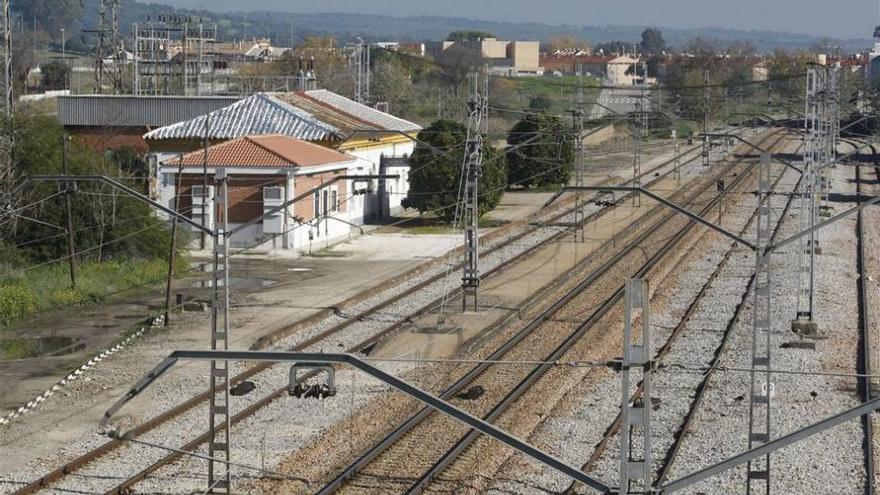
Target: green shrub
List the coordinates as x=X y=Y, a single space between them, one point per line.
x=684 y=130
x=48 y=288
x=16 y=301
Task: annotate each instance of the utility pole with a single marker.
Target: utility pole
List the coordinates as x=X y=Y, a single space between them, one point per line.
x=69 y=188
x=219 y=415
x=761 y=386
x=7 y=57
x=64 y=51
x=203 y=244
x=8 y=99
x=676 y=173
x=803 y=323
x=108 y=41
x=473 y=170
x=579 y=164
x=646 y=122
x=361 y=52
x=172 y=250
x=185 y=54
x=136 y=50
x=99 y=51
x=486 y=101
x=706 y=102
x=199 y=68
x=368 y=71
x=636 y=415
x=637 y=149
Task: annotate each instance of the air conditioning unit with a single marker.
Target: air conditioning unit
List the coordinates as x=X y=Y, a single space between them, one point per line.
x=203 y=206
x=272 y=198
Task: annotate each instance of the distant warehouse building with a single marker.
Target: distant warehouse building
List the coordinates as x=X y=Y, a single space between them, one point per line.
x=504 y=58
x=264 y=172
x=114 y=122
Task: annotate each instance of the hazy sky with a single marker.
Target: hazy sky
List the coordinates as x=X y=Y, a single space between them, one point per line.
x=833 y=18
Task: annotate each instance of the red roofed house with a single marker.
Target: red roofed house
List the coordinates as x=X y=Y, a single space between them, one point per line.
x=263 y=172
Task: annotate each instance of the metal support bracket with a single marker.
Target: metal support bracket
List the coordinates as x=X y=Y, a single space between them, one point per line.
x=670 y=204
x=636 y=470
x=761 y=386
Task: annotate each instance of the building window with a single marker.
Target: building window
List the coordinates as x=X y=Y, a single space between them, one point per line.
x=334 y=199
x=317 y=205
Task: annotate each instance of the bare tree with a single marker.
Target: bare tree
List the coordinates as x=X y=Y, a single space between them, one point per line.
x=456 y=62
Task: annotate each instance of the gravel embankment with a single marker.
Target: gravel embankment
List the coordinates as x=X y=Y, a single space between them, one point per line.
x=574 y=428
x=833 y=458
x=720 y=425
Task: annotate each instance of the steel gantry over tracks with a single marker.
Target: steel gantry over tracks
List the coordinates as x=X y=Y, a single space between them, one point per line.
x=459 y=415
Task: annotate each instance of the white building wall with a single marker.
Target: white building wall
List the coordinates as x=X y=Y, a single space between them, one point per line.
x=397 y=187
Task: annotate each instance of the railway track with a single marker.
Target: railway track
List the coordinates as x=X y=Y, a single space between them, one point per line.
x=864 y=357
x=863 y=362
x=602 y=446
x=88 y=458
x=392 y=451
x=672 y=453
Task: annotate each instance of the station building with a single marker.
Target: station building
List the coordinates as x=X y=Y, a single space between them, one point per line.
x=380 y=143
x=264 y=172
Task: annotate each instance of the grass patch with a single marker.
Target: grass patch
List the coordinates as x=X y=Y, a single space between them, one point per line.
x=26 y=348
x=48 y=288
x=558 y=90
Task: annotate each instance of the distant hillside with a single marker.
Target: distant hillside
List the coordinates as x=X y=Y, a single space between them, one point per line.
x=285 y=28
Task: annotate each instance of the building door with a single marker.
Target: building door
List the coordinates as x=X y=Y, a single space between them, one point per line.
x=316 y=206
x=326 y=210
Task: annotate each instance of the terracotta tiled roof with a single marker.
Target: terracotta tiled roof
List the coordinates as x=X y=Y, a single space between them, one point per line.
x=273 y=150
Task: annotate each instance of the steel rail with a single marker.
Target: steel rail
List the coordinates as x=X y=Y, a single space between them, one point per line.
x=864 y=353
x=537 y=372
x=602 y=445
x=478 y=370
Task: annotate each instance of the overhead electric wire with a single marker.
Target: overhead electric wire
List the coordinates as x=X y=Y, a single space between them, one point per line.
x=613 y=363
x=31 y=205
x=78 y=253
